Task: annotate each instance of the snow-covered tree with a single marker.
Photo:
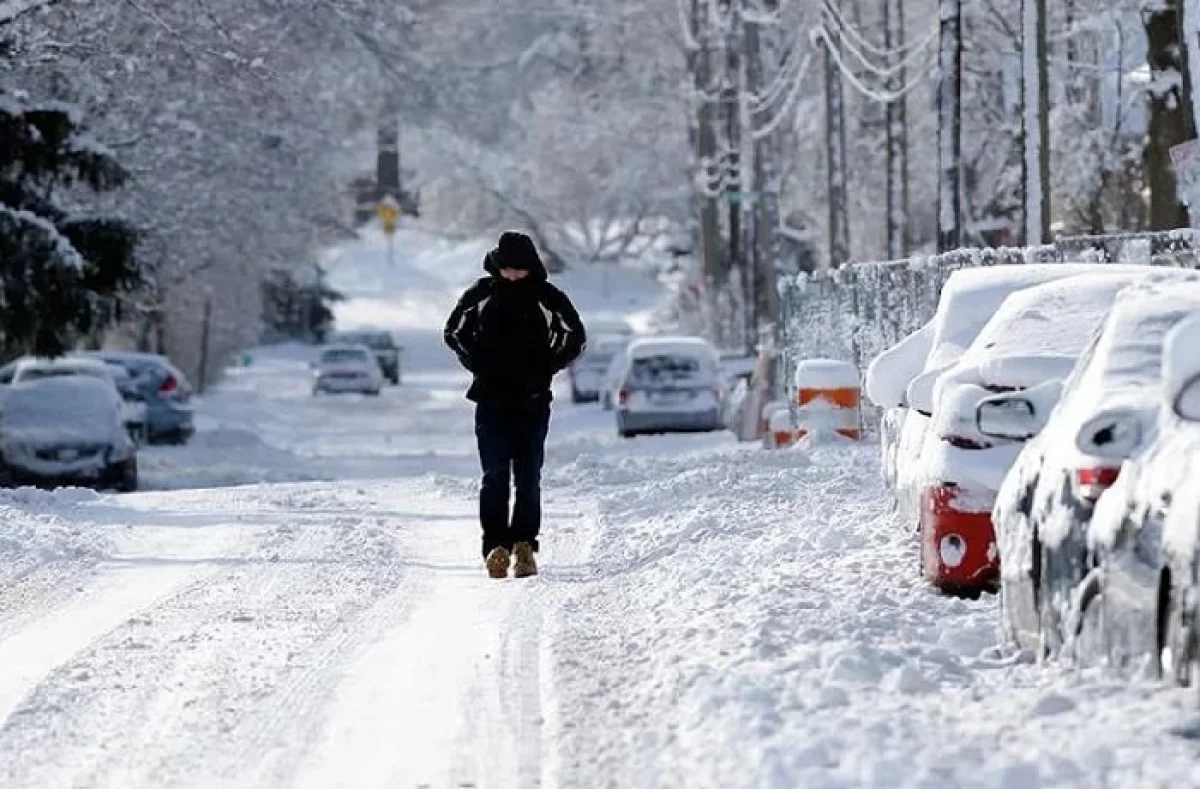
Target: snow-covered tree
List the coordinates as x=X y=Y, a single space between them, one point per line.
x=62 y=268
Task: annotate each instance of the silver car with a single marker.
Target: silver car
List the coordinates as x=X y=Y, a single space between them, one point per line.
x=669 y=385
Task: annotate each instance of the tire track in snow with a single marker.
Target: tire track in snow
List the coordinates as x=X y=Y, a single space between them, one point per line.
x=117 y=591
x=212 y=682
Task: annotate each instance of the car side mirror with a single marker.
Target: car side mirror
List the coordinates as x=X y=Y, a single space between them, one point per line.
x=920 y=392
x=1187 y=400
x=1113 y=435
x=1010 y=417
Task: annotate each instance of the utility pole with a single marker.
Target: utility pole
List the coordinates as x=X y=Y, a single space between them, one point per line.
x=897 y=133
x=1035 y=122
x=949 y=101
x=835 y=147
x=712 y=253
x=733 y=142
x=205 y=324
x=766 y=185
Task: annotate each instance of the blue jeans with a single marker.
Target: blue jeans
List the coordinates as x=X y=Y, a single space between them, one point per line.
x=512 y=447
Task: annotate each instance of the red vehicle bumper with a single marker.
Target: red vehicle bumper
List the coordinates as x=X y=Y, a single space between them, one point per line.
x=958 y=543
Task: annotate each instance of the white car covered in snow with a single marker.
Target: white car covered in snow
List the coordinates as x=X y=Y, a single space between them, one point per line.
x=1108 y=414
x=1030 y=345
x=1161 y=489
x=65 y=431
x=901 y=379
x=347 y=368
x=669 y=384
x=133 y=409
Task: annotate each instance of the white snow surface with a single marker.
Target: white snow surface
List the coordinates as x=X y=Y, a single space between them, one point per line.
x=709 y=614
x=825 y=374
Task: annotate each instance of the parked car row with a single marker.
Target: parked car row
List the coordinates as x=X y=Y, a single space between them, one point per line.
x=1043 y=439
x=79 y=419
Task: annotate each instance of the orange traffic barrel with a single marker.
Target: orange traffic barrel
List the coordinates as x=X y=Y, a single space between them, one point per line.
x=829 y=398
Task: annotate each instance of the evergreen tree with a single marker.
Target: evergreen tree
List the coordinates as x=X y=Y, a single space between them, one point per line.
x=295 y=309
x=60 y=272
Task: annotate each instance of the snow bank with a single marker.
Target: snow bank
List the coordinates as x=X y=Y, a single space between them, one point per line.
x=759 y=618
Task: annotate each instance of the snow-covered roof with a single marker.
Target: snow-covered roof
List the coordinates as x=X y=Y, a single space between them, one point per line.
x=968 y=301
x=63 y=366
x=659 y=346
x=1039 y=332
x=1129 y=354
x=971 y=296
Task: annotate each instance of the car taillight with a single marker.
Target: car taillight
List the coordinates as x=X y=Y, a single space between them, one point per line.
x=965 y=442
x=623 y=396
x=169 y=385
x=1090 y=483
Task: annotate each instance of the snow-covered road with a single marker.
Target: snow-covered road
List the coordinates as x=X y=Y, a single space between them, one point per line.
x=709 y=614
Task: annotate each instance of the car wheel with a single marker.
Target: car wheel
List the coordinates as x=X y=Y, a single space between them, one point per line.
x=128 y=482
x=1085 y=633
x=1049 y=617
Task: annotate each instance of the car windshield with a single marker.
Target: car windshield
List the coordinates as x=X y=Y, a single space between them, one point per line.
x=338 y=355
x=664 y=370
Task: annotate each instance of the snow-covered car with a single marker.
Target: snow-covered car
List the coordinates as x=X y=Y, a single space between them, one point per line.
x=347 y=368
x=901 y=379
x=381 y=344
x=65 y=431
x=133 y=409
x=1107 y=414
x=157 y=383
x=1162 y=486
x=1031 y=343
x=612 y=377
x=587 y=373
x=669 y=384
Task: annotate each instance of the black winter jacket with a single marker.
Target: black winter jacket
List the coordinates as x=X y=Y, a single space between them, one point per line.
x=514 y=336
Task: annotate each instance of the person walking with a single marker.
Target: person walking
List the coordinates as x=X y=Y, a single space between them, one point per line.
x=513 y=330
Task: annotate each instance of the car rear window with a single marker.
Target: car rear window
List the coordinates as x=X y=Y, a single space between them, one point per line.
x=665 y=370
x=343 y=355
x=597 y=360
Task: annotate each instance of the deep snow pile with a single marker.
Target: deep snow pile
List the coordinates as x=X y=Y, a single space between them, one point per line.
x=757 y=620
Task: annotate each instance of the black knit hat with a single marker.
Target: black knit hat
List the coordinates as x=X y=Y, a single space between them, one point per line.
x=516 y=251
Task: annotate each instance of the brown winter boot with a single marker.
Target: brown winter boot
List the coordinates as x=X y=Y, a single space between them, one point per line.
x=526 y=564
x=497 y=563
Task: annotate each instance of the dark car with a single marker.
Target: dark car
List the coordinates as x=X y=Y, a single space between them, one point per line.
x=382 y=345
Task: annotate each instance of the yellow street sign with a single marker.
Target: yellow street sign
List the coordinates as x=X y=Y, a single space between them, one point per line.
x=388 y=212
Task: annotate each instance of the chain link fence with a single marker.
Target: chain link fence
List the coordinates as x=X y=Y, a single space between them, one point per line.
x=854 y=312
